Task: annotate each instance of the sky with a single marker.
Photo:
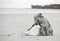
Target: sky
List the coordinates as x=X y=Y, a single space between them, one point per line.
x=25 y=3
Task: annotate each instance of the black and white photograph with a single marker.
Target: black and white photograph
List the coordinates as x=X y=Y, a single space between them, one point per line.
x=29 y=20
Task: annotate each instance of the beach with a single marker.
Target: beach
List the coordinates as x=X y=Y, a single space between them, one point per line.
x=15 y=21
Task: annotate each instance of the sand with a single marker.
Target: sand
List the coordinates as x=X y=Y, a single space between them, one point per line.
x=15 y=21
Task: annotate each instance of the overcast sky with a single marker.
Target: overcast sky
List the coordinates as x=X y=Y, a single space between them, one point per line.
x=25 y=3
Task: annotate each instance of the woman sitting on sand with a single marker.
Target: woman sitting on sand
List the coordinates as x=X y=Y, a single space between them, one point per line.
x=40 y=27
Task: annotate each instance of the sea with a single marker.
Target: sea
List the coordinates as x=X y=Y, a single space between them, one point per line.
x=15 y=21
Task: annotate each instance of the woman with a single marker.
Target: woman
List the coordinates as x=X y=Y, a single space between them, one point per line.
x=40 y=27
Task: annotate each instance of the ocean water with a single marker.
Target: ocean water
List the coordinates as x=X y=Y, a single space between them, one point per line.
x=15 y=21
